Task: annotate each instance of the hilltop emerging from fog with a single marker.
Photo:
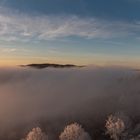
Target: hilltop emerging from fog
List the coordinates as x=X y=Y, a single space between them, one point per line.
x=50 y=65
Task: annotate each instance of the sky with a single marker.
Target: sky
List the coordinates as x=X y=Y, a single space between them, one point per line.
x=82 y=32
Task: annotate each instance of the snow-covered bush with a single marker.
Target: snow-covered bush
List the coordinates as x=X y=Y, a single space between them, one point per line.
x=36 y=134
x=74 y=132
x=115 y=126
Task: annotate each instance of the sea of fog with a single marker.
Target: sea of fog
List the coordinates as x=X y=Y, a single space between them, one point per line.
x=53 y=98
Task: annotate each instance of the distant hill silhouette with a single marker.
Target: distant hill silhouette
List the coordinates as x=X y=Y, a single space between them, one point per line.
x=47 y=65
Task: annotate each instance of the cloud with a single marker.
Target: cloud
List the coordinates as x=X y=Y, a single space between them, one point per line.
x=15 y=26
x=8 y=50
x=13 y=50
x=53 y=98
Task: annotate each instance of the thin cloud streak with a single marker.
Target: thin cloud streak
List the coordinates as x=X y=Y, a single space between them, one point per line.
x=19 y=27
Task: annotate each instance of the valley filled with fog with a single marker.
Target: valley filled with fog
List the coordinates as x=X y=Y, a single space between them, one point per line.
x=48 y=103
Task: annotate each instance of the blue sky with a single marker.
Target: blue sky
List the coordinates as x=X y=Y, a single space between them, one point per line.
x=100 y=32
x=112 y=9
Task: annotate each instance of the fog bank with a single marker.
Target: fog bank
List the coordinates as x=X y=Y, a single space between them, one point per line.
x=52 y=98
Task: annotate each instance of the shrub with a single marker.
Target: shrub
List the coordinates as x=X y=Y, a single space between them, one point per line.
x=115 y=126
x=36 y=134
x=74 y=132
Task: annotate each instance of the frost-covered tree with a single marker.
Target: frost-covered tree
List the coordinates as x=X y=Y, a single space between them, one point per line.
x=74 y=132
x=36 y=134
x=115 y=126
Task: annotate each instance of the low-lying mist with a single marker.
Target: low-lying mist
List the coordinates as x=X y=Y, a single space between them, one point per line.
x=53 y=98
